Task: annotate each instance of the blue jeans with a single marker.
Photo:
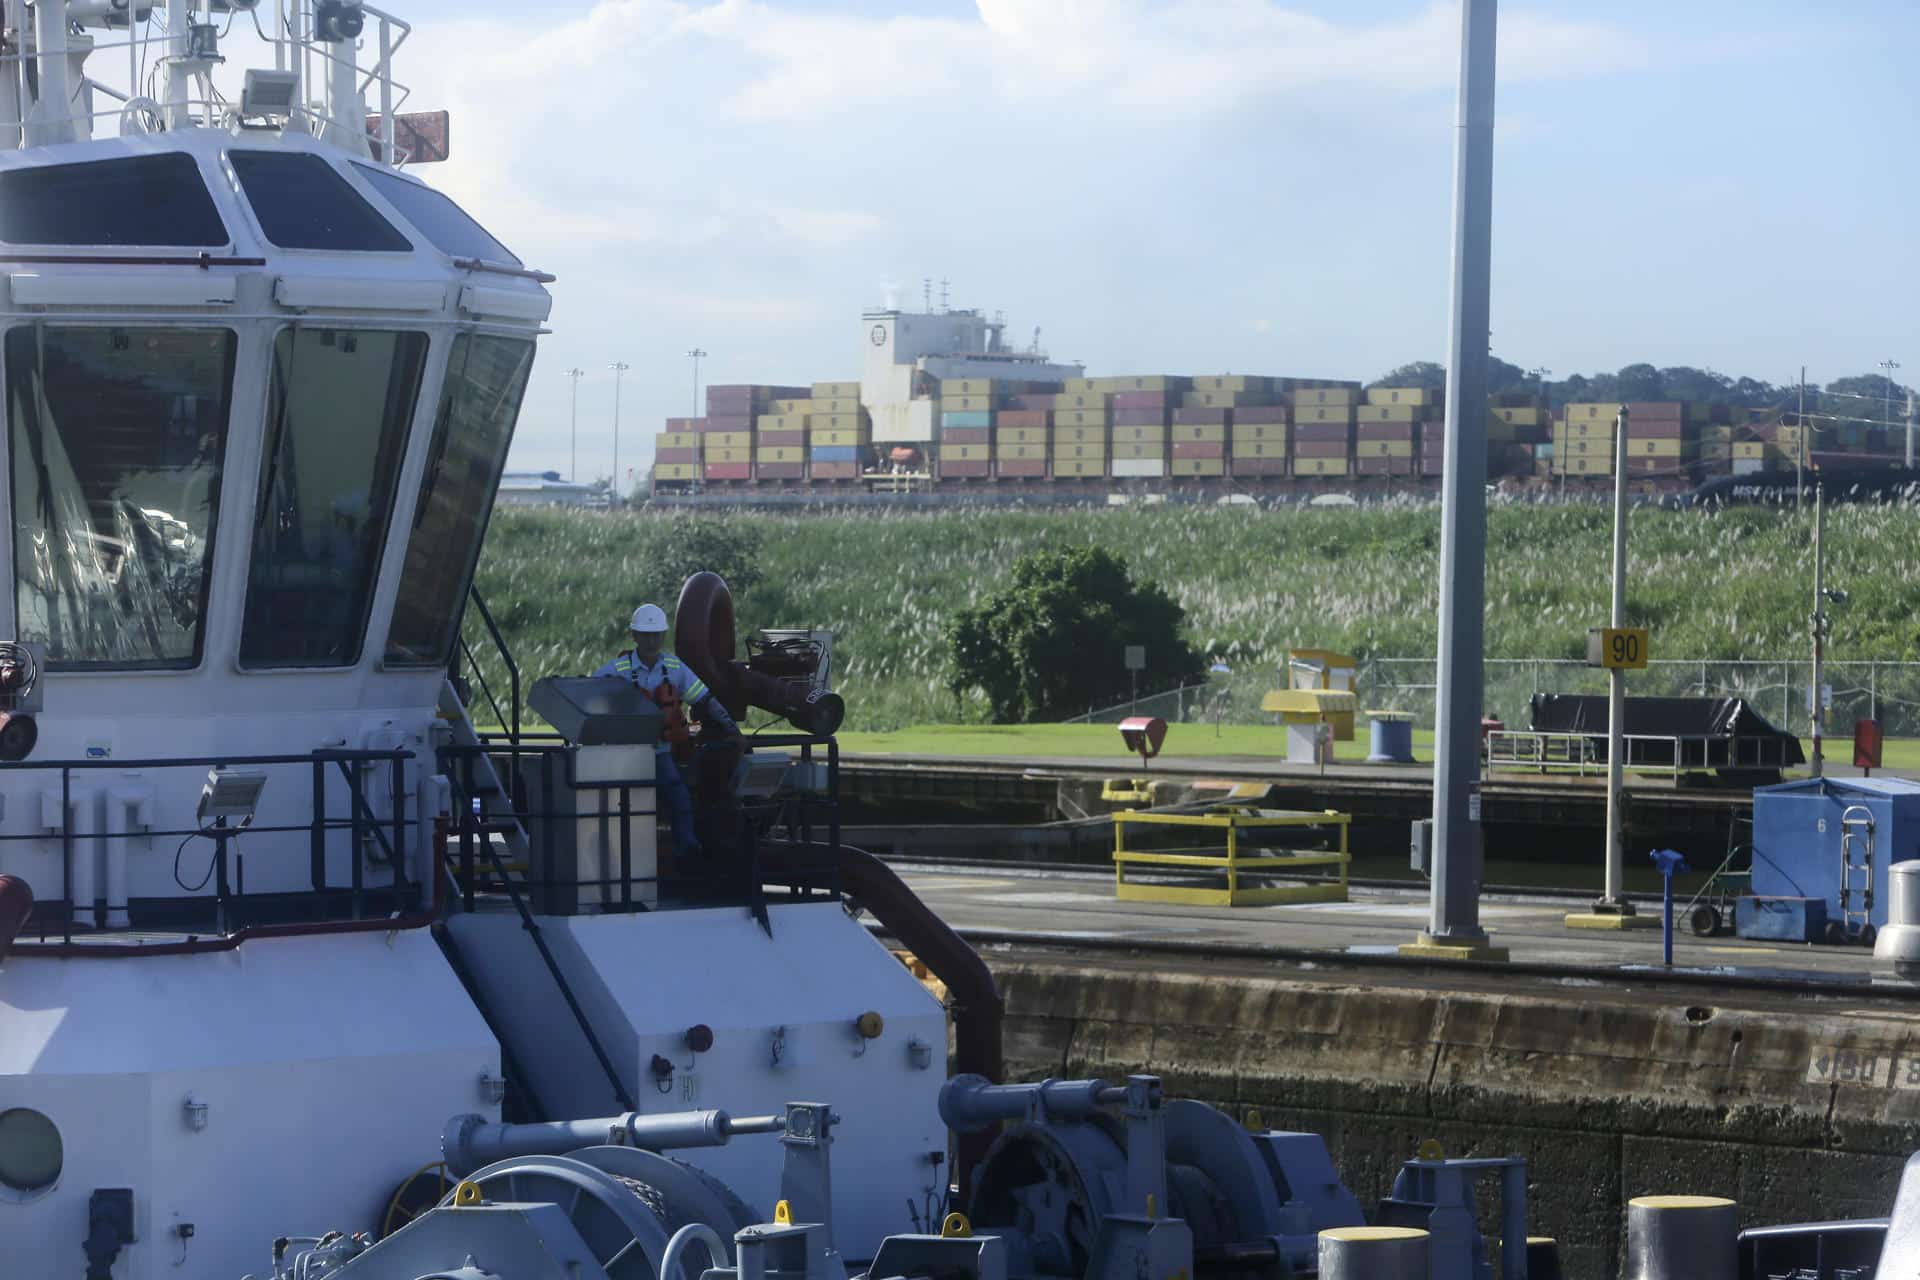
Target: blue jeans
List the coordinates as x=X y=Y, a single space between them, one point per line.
x=670 y=790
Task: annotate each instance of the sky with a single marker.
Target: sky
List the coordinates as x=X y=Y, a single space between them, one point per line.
x=1172 y=186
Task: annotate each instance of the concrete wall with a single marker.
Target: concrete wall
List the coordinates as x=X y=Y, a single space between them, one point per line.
x=1799 y=1108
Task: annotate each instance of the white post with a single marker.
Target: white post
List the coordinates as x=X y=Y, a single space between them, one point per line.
x=1614 y=900
x=1912 y=411
x=1817 y=766
x=386 y=94
x=50 y=118
x=178 y=112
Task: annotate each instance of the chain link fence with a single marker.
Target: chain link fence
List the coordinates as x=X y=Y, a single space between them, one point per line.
x=1886 y=691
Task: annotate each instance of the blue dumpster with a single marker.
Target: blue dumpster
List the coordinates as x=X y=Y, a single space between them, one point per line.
x=1833 y=839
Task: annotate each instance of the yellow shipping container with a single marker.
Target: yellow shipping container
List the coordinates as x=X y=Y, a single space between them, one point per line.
x=1749 y=449
x=1075 y=433
x=965 y=453
x=676 y=471
x=1587 y=466
x=781 y=421
x=1063 y=467
x=951 y=403
x=966 y=386
x=677 y=440
x=1419 y=396
x=1140 y=435
x=1600 y=430
x=1323 y=413
x=1201 y=433
x=1079 y=384
x=780 y=453
x=1383 y=449
x=711 y=440
x=1211 y=399
x=1260 y=431
x=1139 y=448
x=1080 y=400
x=1259 y=448
x=741 y=454
x=842 y=437
x=775 y=407
x=1322 y=396
x=1520 y=417
x=1319 y=466
x=836 y=421
x=1233 y=382
x=1659 y=448
x=1594 y=411
x=1096 y=450
x=1393 y=412
x=830 y=390
x=1139 y=382
x=1019 y=452
x=834 y=404
x=1020 y=435
x=1199 y=466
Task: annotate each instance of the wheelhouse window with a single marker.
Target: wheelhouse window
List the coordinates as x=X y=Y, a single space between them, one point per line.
x=338 y=405
x=302 y=203
x=439 y=219
x=138 y=200
x=486 y=377
x=115 y=443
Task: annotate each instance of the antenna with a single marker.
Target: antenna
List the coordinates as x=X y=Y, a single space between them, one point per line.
x=1035 y=348
x=943 y=295
x=926 y=294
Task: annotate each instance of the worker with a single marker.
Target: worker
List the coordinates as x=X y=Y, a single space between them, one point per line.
x=667 y=680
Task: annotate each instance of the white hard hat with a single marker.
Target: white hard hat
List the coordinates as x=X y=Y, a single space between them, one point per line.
x=649 y=617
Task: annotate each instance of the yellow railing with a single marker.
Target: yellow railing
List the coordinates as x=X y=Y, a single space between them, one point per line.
x=1236 y=822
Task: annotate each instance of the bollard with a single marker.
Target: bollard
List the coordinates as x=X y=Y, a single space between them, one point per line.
x=1667 y=862
x=1373 y=1253
x=1682 y=1238
x=1897 y=945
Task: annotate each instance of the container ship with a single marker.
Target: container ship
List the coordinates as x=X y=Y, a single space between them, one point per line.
x=943 y=405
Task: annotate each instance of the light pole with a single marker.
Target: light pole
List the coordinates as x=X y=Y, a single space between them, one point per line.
x=1889 y=366
x=619 y=367
x=696 y=355
x=573 y=426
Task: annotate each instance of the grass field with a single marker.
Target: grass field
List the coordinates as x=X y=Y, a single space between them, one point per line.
x=1253 y=582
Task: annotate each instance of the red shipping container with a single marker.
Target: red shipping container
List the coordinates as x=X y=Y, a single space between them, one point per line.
x=1385 y=431
x=779 y=470
x=1655 y=411
x=676 y=455
x=1258 y=466
x=966 y=470
x=1140 y=400
x=1319 y=448
x=966 y=435
x=1268 y=413
x=1021 y=418
x=1200 y=417
x=736 y=398
x=1383 y=466
x=1199 y=449
x=686 y=424
x=729 y=471
x=1322 y=433
x=1032 y=402
x=1024 y=469
x=727 y=422
x=836 y=471
x=1432 y=464
x=782 y=439
x=1648 y=429
x=1140 y=417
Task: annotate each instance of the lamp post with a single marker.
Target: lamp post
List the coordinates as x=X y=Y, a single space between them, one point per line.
x=1888 y=366
x=619 y=367
x=573 y=426
x=696 y=355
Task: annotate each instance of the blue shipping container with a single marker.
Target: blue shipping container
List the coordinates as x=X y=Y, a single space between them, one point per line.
x=836 y=453
x=966 y=418
x=1797 y=832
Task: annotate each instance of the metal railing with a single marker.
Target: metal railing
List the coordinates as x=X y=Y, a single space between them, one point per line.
x=226 y=911
x=1675 y=754
x=1870 y=689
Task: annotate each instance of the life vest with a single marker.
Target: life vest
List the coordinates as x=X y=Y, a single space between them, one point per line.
x=677 y=734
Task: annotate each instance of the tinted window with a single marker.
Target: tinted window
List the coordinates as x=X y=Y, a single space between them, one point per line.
x=486 y=377
x=116 y=441
x=139 y=200
x=338 y=406
x=438 y=218
x=303 y=204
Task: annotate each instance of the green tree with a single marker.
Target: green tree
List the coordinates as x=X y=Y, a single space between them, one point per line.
x=1054 y=641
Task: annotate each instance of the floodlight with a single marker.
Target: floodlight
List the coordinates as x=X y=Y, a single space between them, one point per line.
x=231 y=795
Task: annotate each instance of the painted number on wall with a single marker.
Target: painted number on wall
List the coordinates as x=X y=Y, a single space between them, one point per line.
x=1849 y=1066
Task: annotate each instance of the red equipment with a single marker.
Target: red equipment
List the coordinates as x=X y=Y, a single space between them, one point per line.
x=703 y=637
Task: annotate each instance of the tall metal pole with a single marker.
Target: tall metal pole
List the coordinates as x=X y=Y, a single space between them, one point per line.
x=1800 y=449
x=619 y=495
x=1913 y=420
x=1817 y=766
x=1454 y=919
x=1889 y=366
x=573 y=428
x=696 y=355
x=1614 y=899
